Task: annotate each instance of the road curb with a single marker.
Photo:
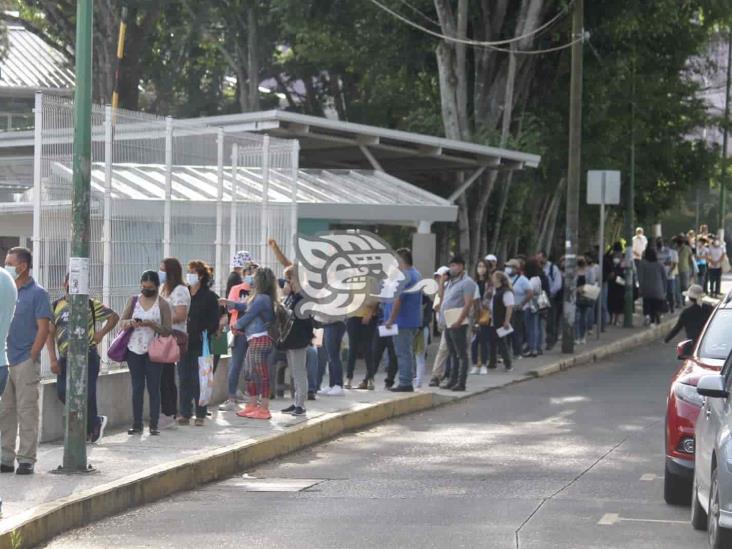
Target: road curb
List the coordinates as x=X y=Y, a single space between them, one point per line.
x=624 y=344
x=51 y=519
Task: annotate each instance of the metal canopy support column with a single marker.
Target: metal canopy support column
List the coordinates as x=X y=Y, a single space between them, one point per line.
x=464 y=187
x=294 y=170
x=220 y=268
x=37 y=155
x=107 y=221
x=168 y=186
x=234 y=198
x=264 y=211
x=371 y=158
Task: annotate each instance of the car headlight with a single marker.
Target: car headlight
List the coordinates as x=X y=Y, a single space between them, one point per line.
x=688 y=393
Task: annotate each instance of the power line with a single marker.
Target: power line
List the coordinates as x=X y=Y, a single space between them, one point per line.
x=476 y=43
x=419 y=12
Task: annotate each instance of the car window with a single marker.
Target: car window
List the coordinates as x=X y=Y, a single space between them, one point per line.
x=717 y=340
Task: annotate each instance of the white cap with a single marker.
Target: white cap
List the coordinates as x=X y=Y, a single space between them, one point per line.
x=441 y=271
x=492 y=258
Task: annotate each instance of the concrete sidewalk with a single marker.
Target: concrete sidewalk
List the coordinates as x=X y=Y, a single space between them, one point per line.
x=136 y=470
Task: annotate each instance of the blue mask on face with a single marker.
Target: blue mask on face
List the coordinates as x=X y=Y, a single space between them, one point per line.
x=163 y=276
x=249 y=279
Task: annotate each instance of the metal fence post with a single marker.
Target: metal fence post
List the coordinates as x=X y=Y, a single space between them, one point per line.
x=107 y=221
x=263 y=228
x=40 y=266
x=168 y=185
x=295 y=170
x=234 y=198
x=220 y=214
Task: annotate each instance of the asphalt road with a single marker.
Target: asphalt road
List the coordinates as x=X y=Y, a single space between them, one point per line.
x=542 y=464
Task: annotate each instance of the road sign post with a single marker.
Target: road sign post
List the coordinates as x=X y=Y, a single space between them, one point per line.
x=603 y=188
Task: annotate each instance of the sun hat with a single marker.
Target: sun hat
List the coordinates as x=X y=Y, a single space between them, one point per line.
x=694 y=292
x=241 y=259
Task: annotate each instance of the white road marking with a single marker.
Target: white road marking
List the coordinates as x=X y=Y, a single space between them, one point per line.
x=649 y=477
x=609 y=519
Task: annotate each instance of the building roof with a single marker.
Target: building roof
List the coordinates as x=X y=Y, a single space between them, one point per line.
x=325 y=142
x=32 y=64
x=359 y=196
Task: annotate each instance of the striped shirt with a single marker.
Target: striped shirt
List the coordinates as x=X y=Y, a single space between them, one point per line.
x=61 y=310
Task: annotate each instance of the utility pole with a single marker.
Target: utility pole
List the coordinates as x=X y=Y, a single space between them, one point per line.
x=725 y=123
x=75 y=459
x=629 y=218
x=573 y=179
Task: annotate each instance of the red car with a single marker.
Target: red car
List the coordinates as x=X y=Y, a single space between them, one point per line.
x=702 y=358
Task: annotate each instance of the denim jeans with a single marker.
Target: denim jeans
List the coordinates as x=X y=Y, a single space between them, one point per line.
x=481 y=340
x=332 y=340
x=406 y=362
x=582 y=321
x=92 y=418
x=499 y=345
x=671 y=293
x=715 y=281
x=238 y=352
x=457 y=343
x=682 y=285
x=190 y=385
x=533 y=330
x=144 y=372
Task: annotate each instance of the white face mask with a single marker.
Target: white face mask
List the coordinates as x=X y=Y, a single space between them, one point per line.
x=163 y=276
x=509 y=271
x=191 y=279
x=12 y=271
x=616 y=260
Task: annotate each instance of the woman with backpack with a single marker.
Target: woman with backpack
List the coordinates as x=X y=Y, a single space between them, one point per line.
x=203 y=316
x=296 y=342
x=256 y=316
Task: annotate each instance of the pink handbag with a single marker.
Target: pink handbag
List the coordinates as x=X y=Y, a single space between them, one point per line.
x=164 y=350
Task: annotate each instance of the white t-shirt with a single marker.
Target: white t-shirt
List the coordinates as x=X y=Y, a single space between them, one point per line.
x=715 y=256
x=639 y=245
x=180 y=295
x=142 y=337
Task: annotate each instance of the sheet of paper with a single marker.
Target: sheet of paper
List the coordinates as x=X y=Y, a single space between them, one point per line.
x=503 y=332
x=387 y=332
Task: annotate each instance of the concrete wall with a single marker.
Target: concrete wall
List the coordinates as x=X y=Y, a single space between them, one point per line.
x=114 y=399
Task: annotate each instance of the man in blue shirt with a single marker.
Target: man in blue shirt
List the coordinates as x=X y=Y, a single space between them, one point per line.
x=8 y=295
x=406 y=313
x=26 y=338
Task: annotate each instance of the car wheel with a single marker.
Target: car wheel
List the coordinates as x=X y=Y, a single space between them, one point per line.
x=676 y=489
x=698 y=516
x=719 y=538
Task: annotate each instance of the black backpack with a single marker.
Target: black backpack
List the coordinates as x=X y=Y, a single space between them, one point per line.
x=280 y=327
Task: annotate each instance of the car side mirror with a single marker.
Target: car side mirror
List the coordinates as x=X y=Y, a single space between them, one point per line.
x=685 y=349
x=712 y=387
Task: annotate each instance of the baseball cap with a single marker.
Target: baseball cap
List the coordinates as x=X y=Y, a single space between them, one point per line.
x=492 y=258
x=442 y=271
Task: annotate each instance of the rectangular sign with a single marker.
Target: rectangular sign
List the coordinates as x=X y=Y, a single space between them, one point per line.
x=595 y=186
x=79 y=276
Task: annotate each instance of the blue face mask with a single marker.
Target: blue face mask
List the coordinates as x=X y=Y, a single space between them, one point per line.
x=163 y=276
x=11 y=271
x=249 y=279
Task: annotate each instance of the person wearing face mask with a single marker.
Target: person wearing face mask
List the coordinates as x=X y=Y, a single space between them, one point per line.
x=58 y=342
x=614 y=274
x=481 y=327
x=203 y=316
x=715 y=258
x=146 y=315
x=176 y=293
x=240 y=266
x=19 y=406
x=457 y=299
x=523 y=295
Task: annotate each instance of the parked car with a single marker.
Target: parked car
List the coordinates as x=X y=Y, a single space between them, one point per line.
x=711 y=498
x=704 y=357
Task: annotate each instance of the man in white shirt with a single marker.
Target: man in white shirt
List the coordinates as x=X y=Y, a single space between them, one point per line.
x=715 y=258
x=523 y=294
x=640 y=242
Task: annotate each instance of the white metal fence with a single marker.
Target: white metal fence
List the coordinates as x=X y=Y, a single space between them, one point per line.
x=160 y=187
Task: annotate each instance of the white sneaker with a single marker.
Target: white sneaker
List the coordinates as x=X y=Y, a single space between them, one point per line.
x=335 y=391
x=165 y=421
x=483 y=371
x=241 y=397
x=230 y=405
x=474 y=371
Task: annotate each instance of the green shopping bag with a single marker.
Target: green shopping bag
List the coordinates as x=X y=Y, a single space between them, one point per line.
x=219 y=344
